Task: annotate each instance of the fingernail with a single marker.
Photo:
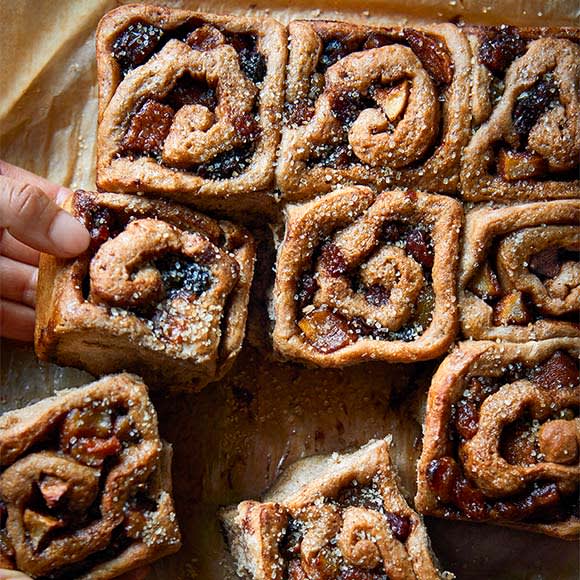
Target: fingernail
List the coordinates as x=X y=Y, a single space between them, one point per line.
x=62 y=195
x=68 y=235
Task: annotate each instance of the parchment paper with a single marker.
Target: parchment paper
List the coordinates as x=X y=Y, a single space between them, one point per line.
x=235 y=437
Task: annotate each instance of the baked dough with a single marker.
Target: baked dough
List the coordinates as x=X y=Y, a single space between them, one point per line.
x=519 y=273
x=526 y=113
x=383 y=106
x=502 y=436
x=189 y=104
x=162 y=291
x=85 y=484
x=365 y=276
x=329 y=513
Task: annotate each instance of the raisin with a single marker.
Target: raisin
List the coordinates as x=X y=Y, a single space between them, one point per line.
x=326 y=331
x=190 y=91
x=543 y=501
x=253 y=64
x=361 y=328
x=205 y=38
x=392 y=231
x=247 y=127
x=350 y=573
x=148 y=128
x=400 y=525
x=339 y=156
x=136 y=44
x=376 y=40
x=332 y=260
x=376 y=295
x=546 y=263
x=500 y=48
x=470 y=500
x=530 y=105
x=181 y=276
x=466 y=418
x=346 y=105
x=334 y=50
x=432 y=54
x=99 y=221
x=560 y=370
x=226 y=164
x=299 y=113
x=305 y=290
x=419 y=245
x=442 y=476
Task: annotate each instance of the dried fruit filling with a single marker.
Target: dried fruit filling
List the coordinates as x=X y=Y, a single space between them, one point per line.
x=327 y=329
x=524 y=442
x=329 y=563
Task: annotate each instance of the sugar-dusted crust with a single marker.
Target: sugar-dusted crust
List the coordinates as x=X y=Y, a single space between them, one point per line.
x=502 y=257
x=465 y=434
x=313 y=495
x=541 y=56
x=112 y=309
x=404 y=307
x=336 y=131
x=246 y=117
x=41 y=452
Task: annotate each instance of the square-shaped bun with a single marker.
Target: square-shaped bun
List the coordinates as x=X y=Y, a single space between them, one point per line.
x=85 y=484
x=189 y=104
x=162 y=290
x=341 y=514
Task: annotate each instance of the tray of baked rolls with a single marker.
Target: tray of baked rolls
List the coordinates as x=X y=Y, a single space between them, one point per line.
x=327 y=326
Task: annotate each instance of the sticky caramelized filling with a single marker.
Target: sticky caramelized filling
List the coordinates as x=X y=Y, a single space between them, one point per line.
x=329 y=329
x=312 y=549
x=526 y=441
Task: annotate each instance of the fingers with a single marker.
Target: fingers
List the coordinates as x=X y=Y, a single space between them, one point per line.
x=55 y=192
x=16 y=322
x=34 y=219
x=18 y=281
x=12 y=248
x=13 y=575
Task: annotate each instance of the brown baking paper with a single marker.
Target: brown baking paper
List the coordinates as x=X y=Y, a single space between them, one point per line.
x=234 y=438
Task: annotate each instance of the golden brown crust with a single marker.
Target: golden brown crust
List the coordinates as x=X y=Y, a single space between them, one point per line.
x=328 y=502
x=345 y=123
x=521 y=250
x=526 y=144
x=161 y=290
x=405 y=309
x=94 y=449
x=483 y=456
x=201 y=132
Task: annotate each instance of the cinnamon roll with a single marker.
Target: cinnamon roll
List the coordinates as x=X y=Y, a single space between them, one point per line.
x=526 y=114
x=362 y=276
x=189 y=103
x=330 y=516
x=383 y=106
x=502 y=436
x=162 y=290
x=85 y=484
x=520 y=272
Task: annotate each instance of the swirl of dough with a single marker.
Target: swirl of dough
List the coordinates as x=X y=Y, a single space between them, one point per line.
x=482 y=457
x=371 y=136
x=121 y=273
x=366 y=541
x=556 y=296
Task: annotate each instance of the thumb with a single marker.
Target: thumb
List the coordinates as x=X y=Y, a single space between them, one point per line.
x=34 y=219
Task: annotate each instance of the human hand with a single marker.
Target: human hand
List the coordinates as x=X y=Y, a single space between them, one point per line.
x=31 y=222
